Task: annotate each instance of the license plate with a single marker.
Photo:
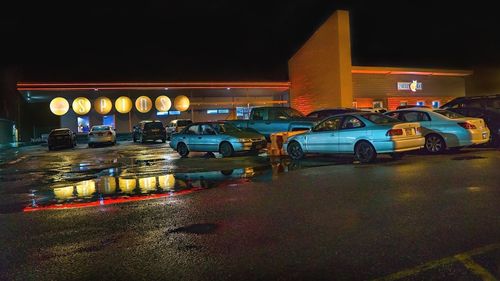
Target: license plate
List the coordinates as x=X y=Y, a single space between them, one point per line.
x=155 y=130
x=485 y=135
x=409 y=131
x=59 y=138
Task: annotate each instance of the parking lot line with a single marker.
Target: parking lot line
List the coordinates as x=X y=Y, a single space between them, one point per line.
x=475 y=268
x=464 y=258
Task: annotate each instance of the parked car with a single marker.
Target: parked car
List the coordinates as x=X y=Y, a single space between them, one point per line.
x=63 y=137
x=490 y=117
x=176 y=126
x=364 y=134
x=411 y=106
x=444 y=129
x=220 y=137
x=323 y=113
x=101 y=134
x=269 y=120
x=149 y=130
x=490 y=102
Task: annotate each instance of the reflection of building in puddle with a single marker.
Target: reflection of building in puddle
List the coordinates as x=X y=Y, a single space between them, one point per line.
x=127 y=185
x=63 y=193
x=106 y=185
x=85 y=188
x=166 y=182
x=147 y=184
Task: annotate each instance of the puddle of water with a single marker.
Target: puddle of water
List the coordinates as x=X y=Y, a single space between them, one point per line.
x=107 y=190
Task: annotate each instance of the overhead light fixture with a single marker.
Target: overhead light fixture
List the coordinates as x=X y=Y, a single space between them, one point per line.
x=95 y=89
x=229 y=88
x=166 y=88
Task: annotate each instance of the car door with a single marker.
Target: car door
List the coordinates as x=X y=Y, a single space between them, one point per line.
x=260 y=121
x=324 y=137
x=191 y=137
x=208 y=139
x=352 y=130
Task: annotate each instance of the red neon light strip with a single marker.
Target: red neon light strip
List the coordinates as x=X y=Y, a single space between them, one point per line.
x=109 y=201
x=144 y=88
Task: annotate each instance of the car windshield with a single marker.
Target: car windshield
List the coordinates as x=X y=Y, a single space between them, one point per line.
x=223 y=128
x=378 y=118
x=449 y=114
x=292 y=113
x=153 y=125
x=100 y=128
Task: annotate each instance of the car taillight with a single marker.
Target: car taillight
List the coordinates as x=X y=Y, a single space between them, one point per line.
x=467 y=125
x=419 y=130
x=394 y=132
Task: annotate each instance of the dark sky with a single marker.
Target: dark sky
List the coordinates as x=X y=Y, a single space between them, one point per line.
x=231 y=39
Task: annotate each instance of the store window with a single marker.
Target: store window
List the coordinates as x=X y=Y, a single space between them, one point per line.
x=243 y=112
x=218 y=111
x=378 y=104
x=420 y=103
x=109 y=120
x=403 y=103
x=83 y=124
x=435 y=104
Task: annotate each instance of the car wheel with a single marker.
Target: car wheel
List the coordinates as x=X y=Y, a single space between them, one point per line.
x=182 y=149
x=365 y=152
x=163 y=140
x=50 y=148
x=295 y=151
x=134 y=138
x=91 y=144
x=226 y=149
x=434 y=144
x=142 y=140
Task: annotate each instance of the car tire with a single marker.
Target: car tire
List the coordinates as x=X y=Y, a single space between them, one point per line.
x=163 y=140
x=142 y=139
x=91 y=145
x=434 y=144
x=51 y=148
x=365 y=152
x=295 y=151
x=226 y=149
x=134 y=138
x=182 y=149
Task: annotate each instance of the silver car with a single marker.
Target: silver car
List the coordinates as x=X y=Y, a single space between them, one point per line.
x=445 y=129
x=364 y=134
x=219 y=137
x=101 y=134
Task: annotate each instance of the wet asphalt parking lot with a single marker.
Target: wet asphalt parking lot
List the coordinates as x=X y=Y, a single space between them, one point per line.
x=139 y=212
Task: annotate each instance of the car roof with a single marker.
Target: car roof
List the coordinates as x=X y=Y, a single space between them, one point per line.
x=335 y=108
x=61 y=129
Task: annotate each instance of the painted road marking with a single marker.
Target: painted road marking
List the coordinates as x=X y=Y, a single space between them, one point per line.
x=475 y=268
x=464 y=258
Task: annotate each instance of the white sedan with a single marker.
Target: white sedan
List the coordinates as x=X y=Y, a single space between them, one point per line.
x=444 y=129
x=364 y=134
x=101 y=134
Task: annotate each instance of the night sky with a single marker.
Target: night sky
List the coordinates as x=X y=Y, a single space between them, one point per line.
x=232 y=40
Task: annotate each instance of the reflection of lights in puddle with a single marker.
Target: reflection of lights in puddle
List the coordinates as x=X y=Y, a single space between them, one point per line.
x=474 y=188
x=63 y=193
x=147 y=184
x=107 y=185
x=127 y=185
x=166 y=182
x=85 y=188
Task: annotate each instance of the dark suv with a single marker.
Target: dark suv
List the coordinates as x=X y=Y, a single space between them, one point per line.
x=149 y=131
x=485 y=107
x=63 y=137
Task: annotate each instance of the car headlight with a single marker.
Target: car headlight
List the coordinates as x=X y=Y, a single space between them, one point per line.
x=245 y=140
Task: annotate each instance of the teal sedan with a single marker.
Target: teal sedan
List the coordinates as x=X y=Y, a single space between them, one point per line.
x=363 y=134
x=219 y=137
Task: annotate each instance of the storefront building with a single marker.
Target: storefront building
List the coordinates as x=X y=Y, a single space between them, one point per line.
x=321 y=76
x=390 y=87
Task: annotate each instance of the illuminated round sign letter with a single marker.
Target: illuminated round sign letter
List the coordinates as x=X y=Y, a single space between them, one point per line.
x=123 y=104
x=181 y=103
x=103 y=105
x=59 y=106
x=163 y=103
x=81 y=106
x=143 y=104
